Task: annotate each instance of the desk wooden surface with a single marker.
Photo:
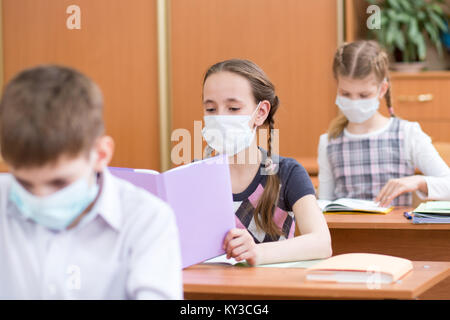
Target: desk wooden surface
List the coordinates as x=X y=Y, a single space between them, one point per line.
x=392 y=234
x=391 y=220
x=229 y=282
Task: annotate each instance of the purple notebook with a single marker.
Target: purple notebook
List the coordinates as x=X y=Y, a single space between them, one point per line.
x=200 y=195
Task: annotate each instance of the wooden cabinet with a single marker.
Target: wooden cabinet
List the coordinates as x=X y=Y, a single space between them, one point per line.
x=425 y=98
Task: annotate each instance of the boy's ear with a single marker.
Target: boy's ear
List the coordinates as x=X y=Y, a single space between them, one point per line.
x=104 y=148
x=262 y=113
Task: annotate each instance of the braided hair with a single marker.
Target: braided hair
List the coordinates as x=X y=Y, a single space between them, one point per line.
x=262 y=90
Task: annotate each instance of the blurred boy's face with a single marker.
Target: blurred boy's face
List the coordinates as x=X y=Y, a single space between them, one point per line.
x=46 y=180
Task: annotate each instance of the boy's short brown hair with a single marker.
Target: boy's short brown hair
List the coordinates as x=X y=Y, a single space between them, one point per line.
x=46 y=112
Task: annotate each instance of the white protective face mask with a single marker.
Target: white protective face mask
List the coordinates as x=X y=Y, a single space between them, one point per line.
x=229 y=134
x=59 y=209
x=359 y=110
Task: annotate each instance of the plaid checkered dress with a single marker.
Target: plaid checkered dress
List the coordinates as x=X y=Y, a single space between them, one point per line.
x=361 y=167
x=295 y=183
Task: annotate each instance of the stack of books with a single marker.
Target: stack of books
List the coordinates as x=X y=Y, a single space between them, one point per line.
x=432 y=212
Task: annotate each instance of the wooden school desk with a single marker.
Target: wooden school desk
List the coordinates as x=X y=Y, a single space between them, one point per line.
x=391 y=234
x=232 y=282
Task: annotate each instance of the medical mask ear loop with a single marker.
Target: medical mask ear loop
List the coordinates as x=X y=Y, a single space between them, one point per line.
x=255 y=112
x=390 y=108
x=256 y=127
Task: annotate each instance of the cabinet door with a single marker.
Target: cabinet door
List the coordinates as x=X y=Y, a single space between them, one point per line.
x=292 y=41
x=116 y=46
x=422 y=98
x=426 y=100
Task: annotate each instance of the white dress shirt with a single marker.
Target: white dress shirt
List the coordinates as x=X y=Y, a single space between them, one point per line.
x=419 y=150
x=438 y=188
x=127 y=247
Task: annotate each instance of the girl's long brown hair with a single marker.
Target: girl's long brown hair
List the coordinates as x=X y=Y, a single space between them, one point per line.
x=262 y=89
x=357 y=60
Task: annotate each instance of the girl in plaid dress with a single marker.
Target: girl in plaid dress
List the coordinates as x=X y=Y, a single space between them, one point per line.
x=366 y=155
x=270 y=193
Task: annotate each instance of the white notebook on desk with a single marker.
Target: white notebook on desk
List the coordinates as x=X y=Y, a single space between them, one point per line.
x=347 y=205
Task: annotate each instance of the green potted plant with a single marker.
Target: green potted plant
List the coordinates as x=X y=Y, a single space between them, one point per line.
x=405 y=27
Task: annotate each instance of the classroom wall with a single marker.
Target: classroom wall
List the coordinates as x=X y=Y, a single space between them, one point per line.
x=293 y=41
x=116 y=46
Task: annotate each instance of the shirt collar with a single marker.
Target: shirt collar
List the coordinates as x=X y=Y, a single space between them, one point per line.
x=370 y=134
x=108 y=206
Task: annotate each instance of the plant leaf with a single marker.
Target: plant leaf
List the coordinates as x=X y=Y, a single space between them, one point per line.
x=403 y=17
x=394 y=4
x=432 y=31
x=437 y=8
x=391 y=32
x=400 y=40
x=413 y=29
x=438 y=20
x=421 y=15
x=406 y=5
x=421 y=47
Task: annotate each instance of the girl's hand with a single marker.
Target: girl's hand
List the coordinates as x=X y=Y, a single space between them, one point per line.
x=239 y=244
x=396 y=187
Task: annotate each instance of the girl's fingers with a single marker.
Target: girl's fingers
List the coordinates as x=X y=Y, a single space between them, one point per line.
x=384 y=199
x=237 y=251
x=233 y=233
x=382 y=194
x=396 y=192
x=234 y=243
x=396 y=187
x=247 y=255
x=380 y=198
x=237 y=238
